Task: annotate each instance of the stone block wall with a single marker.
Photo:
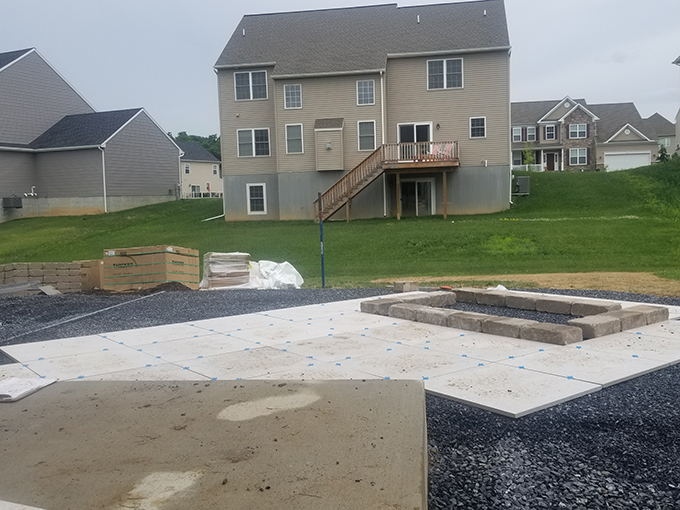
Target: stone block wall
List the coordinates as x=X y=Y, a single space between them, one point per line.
x=63 y=276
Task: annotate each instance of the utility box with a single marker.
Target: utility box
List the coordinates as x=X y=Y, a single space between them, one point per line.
x=149 y=266
x=12 y=203
x=522 y=184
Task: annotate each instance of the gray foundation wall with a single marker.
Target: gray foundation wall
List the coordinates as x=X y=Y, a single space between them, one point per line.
x=478 y=190
x=236 y=197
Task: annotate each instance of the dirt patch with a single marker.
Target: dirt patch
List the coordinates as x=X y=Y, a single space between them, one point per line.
x=638 y=283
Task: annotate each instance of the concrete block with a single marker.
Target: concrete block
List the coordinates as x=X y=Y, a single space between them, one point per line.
x=36 y=272
x=629 y=319
x=652 y=313
x=422 y=298
x=442 y=298
x=74 y=272
x=437 y=316
x=49 y=279
x=505 y=326
x=406 y=311
x=521 y=301
x=467 y=294
x=19 y=273
x=585 y=307
x=594 y=326
x=469 y=321
x=405 y=286
x=378 y=306
x=49 y=271
x=552 y=333
x=61 y=265
x=62 y=272
x=555 y=304
x=492 y=297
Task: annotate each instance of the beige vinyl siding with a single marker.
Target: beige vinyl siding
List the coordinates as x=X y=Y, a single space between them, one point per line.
x=200 y=175
x=69 y=174
x=323 y=98
x=329 y=159
x=33 y=97
x=141 y=161
x=486 y=93
x=632 y=136
x=560 y=111
x=17 y=173
x=247 y=114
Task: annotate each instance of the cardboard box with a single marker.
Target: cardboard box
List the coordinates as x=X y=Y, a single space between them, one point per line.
x=149 y=266
x=91 y=274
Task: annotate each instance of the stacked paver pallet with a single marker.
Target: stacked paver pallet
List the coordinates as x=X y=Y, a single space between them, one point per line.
x=63 y=276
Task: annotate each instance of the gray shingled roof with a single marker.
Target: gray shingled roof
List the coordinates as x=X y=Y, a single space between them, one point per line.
x=616 y=115
x=530 y=112
x=361 y=38
x=677 y=61
x=83 y=130
x=194 y=151
x=11 y=56
x=660 y=124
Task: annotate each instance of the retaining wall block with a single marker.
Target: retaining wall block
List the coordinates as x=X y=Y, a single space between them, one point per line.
x=629 y=319
x=585 y=307
x=421 y=298
x=466 y=294
x=469 y=321
x=520 y=301
x=405 y=286
x=19 y=273
x=558 y=334
x=594 y=326
x=652 y=313
x=554 y=305
x=436 y=316
x=442 y=298
x=505 y=326
x=405 y=311
x=378 y=306
x=492 y=297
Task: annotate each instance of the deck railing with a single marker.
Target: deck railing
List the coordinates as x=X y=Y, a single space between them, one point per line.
x=420 y=152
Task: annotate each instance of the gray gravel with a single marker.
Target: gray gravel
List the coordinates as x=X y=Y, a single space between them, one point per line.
x=617 y=448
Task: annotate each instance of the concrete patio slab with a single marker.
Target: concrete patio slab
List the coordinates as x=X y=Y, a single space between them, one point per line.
x=643 y=345
x=255 y=444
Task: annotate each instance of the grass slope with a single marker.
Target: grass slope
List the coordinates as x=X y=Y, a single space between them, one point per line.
x=621 y=221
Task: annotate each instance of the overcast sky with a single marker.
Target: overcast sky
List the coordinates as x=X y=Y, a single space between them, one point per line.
x=160 y=54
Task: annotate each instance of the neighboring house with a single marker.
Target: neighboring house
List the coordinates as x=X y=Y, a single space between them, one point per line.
x=61 y=157
x=665 y=131
x=388 y=110
x=200 y=171
x=677 y=118
x=571 y=135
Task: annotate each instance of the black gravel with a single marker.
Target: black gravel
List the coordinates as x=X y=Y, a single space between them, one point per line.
x=617 y=448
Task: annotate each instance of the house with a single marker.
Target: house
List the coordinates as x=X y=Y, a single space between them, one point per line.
x=201 y=174
x=572 y=135
x=386 y=110
x=665 y=131
x=58 y=156
x=677 y=118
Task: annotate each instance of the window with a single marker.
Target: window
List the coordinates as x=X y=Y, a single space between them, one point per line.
x=294 y=139
x=253 y=142
x=187 y=168
x=367 y=135
x=445 y=74
x=365 y=92
x=531 y=134
x=664 y=142
x=517 y=134
x=516 y=158
x=549 y=132
x=292 y=96
x=578 y=131
x=195 y=191
x=478 y=127
x=257 y=198
x=250 y=85
x=214 y=169
x=578 y=156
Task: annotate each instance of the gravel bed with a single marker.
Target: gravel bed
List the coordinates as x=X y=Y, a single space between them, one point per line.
x=505 y=311
x=617 y=448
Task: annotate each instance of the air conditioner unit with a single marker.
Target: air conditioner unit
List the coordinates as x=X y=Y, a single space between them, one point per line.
x=12 y=203
x=521 y=185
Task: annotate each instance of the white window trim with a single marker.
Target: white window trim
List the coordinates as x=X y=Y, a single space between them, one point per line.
x=414 y=124
x=462 y=73
x=284 y=96
x=516 y=130
x=554 y=128
x=264 y=196
x=302 y=137
x=187 y=168
x=250 y=82
x=357 y=90
x=252 y=141
x=359 y=136
x=577 y=149
x=215 y=169
x=577 y=132
x=535 y=137
x=470 y=128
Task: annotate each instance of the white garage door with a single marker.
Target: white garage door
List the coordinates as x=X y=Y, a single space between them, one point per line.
x=623 y=160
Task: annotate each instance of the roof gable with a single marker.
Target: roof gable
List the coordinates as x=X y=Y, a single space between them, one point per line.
x=627 y=133
x=8 y=58
x=335 y=41
x=194 y=151
x=615 y=116
x=84 y=130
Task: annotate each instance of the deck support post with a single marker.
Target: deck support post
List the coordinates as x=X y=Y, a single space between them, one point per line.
x=444 y=191
x=348 y=209
x=398 y=196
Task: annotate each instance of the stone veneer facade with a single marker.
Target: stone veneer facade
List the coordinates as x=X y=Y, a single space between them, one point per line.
x=578 y=116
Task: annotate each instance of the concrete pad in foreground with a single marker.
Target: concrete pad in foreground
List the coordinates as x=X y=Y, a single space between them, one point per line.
x=217 y=444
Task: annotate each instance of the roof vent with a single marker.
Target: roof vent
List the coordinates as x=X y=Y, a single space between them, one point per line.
x=244 y=32
x=418 y=18
x=484 y=12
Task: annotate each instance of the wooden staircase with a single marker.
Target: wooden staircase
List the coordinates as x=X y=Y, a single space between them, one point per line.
x=412 y=155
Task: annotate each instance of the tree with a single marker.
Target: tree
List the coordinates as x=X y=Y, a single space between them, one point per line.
x=663 y=155
x=528 y=155
x=210 y=143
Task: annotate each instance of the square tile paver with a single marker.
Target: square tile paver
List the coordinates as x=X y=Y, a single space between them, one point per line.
x=55 y=348
x=338 y=347
x=644 y=345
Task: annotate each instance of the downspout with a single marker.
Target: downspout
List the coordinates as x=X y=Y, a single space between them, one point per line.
x=101 y=148
x=180 y=192
x=509 y=137
x=382 y=136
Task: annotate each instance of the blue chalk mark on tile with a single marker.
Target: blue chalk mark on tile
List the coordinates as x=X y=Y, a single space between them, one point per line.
x=338 y=364
x=213 y=378
x=480 y=364
x=570 y=377
x=40 y=359
x=541 y=350
x=362 y=334
x=348 y=357
x=311 y=365
x=426 y=348
x=239 y=378
x=186 y=368
x=389 y=349
x=81 y=377
x=511 y=357
x=464 y=355
x=310 y=357
x=330 y=334
x=425 y=378
x=155 y=342
x=148 y=365
x=200 y=357
x=247 y=349
x=158 y=357
x=386 y=377
x=635 y=356
x=522 y=367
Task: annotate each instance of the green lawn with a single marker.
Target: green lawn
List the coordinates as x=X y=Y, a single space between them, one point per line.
x=594 y=221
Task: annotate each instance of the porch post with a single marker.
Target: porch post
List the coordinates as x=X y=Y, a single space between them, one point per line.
x=398 y=196
x=444 y=190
